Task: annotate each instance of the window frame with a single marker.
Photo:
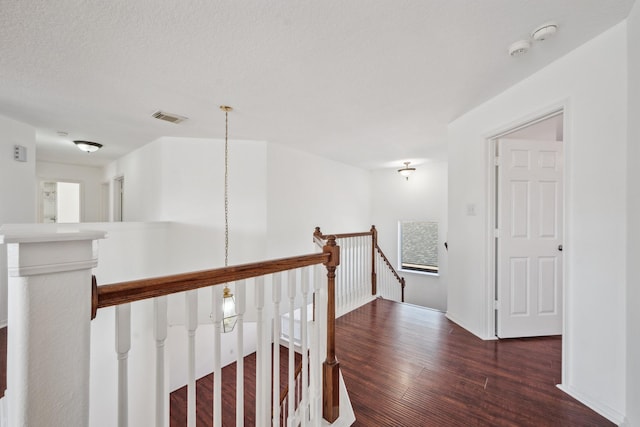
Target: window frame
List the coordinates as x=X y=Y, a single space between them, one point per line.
x=418 y=270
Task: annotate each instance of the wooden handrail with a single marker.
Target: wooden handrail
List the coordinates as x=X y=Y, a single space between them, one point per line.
x=136 y=290
x=386 y=261
x=319 y=238
x=285 y=391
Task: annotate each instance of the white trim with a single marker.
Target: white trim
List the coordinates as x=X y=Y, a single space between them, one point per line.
x=601 y=408
x=457 y=322
x=560 y=107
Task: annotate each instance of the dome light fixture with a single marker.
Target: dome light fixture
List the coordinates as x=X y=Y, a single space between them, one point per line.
x=88 y=146
x=406 y=170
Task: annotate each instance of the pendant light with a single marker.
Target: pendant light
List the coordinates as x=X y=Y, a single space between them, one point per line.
x=229 y=314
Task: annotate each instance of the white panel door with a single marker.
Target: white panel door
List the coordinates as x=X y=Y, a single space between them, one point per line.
x=529 y=256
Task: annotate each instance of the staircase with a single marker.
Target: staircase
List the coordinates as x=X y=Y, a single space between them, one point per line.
x=53 y=298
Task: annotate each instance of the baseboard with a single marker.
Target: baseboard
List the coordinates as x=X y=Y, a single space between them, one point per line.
x=601 y=408
x=461 y=324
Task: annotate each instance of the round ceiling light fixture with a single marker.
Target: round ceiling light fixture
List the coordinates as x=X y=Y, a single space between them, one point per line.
x=544 y=31
x=519 y=48
x=88 y=146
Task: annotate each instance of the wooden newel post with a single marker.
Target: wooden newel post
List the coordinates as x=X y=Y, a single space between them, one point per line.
x=331 y=366
x=374 y=245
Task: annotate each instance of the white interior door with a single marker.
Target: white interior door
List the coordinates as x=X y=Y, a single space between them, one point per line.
x=529 y=238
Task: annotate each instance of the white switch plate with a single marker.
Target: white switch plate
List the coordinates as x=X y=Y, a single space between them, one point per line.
x=471 y=209
x=19 y=153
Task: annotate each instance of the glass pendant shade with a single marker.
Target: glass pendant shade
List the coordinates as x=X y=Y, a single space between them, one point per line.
x=229 y=314
x=88 y=146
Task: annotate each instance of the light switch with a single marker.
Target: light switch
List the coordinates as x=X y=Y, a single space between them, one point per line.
x=471 y=209
x=19 y=153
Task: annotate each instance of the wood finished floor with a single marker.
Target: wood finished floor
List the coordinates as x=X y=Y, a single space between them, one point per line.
x=409 y=366
x=204 y=394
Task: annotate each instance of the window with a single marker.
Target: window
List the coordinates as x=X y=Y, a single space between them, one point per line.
x=418 y=246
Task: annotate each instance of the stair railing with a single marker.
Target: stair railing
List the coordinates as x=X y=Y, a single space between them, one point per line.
x=365 y=271
x=51 y=304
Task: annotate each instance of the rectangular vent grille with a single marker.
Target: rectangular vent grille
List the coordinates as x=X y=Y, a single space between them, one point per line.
x=167 y=117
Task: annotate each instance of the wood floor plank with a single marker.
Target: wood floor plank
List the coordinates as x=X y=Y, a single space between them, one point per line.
x=409 y=366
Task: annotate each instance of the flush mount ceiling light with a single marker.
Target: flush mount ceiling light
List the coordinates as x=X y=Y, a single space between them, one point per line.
x=544 y=31
x=519 y=48
x=88 y=146
x=406 y=170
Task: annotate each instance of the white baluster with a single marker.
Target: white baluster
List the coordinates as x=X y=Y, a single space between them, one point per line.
x=123 y=345
x=277 y=292
x=347 y=268
x=160 y=335
x=304 y=403
x=216 y=316
x=240 y=309
x=263 y=360
x=319 y=343
x=292 y=351
x=191 y=302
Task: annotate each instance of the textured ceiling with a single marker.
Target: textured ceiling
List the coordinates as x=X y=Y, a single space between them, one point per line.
x=366 y=82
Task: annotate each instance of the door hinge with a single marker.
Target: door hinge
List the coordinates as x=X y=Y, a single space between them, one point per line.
x=495 y=304
x=496 y=161
x=496 y=233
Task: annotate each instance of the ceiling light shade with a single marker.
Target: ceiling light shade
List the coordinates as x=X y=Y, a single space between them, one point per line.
x=229 y=314
x=406 y=170
x=88 y=146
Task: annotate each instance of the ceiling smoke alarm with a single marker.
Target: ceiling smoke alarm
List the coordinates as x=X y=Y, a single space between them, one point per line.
x=519 y=48
x=168 y=117
x=544 y=31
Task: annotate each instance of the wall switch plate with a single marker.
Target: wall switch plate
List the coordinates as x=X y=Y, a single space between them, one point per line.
x=19 y=153
x=471 y=209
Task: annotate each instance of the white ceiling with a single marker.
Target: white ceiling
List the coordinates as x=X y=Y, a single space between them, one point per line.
x=367 y=82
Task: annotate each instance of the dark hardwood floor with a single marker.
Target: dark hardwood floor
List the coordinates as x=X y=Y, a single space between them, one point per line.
x=204 y=394
x=409 y=366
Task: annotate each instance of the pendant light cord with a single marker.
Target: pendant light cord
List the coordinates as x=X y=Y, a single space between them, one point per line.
x=226 y=188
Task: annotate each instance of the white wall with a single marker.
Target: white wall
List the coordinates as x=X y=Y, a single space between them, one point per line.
x=592 y=81
x=633 y=225
x=422 y=198
x=305 y=191
x=17 y=189
x=90 y=179
x=182 y=180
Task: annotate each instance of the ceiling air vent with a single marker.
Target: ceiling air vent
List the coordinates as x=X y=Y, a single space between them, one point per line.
x=168 y=117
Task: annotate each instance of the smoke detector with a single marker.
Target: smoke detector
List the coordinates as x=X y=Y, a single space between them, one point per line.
x=544 y=31
x=519 y=48
x=168 y=117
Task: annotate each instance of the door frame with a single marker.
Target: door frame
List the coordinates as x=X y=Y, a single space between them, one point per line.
x=490 y=138
x=39 y=204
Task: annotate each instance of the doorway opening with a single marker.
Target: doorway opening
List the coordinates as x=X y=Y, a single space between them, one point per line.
x=118 y=199
x=525 y=227
x=60 y=202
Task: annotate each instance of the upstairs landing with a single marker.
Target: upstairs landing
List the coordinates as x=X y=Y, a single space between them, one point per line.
x=409 y=366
